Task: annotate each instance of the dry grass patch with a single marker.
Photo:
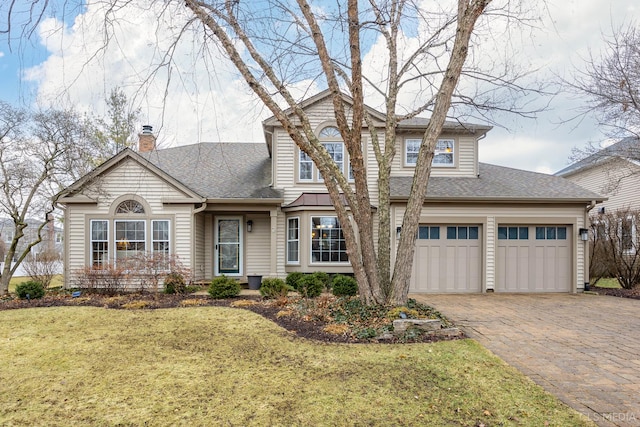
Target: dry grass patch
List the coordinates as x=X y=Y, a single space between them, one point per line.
x=193 y=302
x=222 y=366
x=243 y=303
x=336 y=329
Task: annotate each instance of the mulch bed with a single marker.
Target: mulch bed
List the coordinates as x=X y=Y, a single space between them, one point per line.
x=309 y=329
x=617 y=292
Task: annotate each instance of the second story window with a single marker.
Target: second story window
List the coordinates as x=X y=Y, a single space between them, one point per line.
x=330 y=139
x=443 y=154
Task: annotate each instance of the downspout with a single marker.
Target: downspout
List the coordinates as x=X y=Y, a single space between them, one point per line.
x=587 y=222
x=193 y=235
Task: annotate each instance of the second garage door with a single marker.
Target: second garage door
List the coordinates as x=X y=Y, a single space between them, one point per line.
x=534 y=258
x=448 y=259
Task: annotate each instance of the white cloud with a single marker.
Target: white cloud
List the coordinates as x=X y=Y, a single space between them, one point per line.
x=201 y=99
x=206 y=100
x=1 y=54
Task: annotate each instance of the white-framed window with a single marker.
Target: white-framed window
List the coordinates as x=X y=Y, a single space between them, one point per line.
x=627 y=235
x=99 y=244
x=331 y=140
x=411 y=149
x=130 y=238
x=305 y=167
x=160 y=242
x=336 y=151
x=293 y=240
x=327 y=240
x=551 y=233
x=443 y=154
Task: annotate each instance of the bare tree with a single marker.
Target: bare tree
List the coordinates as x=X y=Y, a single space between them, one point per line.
x=610 y=83
x=39 y=154
x=282 y=48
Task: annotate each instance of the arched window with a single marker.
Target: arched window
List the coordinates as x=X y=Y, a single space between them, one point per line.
x=330 y=132
x=130 y=207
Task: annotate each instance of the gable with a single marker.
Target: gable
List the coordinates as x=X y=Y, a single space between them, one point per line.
x=128 y=177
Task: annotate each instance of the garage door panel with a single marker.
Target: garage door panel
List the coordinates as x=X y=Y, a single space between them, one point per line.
x=449 y=259
x=534 y=259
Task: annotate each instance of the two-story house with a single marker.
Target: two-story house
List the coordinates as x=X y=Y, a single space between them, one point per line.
x=261 y=208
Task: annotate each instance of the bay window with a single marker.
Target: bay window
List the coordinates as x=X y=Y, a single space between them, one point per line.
x=293 y=240
x=327 y=240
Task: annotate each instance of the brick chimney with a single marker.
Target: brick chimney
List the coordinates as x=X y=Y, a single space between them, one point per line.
x=147 y=140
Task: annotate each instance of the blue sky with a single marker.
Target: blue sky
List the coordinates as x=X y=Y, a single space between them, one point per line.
x=211 y=104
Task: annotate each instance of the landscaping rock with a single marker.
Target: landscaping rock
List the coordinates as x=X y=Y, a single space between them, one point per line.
x=400 y=326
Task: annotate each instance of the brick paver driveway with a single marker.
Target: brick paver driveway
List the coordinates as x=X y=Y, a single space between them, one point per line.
x=585 y=349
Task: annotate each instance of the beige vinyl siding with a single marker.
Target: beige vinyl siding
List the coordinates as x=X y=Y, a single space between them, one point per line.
x=616 y=179
x=128 y=178
x=258 y=245
x=490 y=215
x=465 y=160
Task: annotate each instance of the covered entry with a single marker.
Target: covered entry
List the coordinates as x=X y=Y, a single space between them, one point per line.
x=534 y=258
x=448 y=259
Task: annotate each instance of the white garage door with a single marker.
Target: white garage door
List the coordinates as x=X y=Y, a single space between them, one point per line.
x=448 y=259
x=534 y=258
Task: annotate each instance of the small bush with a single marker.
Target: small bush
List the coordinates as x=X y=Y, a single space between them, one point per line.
x=273 y=287
x=174 y=283
x=310 y=286
x=344 y=286
x=293 y=279
x=32 y=288
x=324 y=278
x=224 y=287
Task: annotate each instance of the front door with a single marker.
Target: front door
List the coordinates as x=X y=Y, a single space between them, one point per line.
x=228 y=249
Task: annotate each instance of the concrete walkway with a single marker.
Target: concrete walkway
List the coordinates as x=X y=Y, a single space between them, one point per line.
x=584 y=349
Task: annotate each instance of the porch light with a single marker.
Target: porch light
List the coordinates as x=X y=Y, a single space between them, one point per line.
x=249 y=226
x=398 y=231
x=584 y=234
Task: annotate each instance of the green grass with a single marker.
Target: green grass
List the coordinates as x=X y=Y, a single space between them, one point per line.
x=609 y=282
x=223 y=366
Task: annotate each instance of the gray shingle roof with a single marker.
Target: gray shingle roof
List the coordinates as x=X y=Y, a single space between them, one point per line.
x=498 y=183
x=219 y=170
x=628 y=148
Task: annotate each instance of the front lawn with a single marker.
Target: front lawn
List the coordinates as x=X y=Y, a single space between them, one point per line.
x=224 y=366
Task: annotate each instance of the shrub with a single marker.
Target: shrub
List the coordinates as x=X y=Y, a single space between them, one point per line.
x=324 y=278
x=174 y=283
x=310 y=286
x=410 y=313
x=272 y=287
x=224 y=287
x=344 y=285
x=293 y=279
x=32 y=288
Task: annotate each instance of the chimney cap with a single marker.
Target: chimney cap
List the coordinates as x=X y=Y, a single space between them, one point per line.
x=147 y=129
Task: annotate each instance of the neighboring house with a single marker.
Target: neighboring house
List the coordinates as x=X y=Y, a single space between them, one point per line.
x=613 y=172
x=261 y=208
x=52 y=237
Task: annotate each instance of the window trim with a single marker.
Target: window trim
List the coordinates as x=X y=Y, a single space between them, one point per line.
x=297 y=240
